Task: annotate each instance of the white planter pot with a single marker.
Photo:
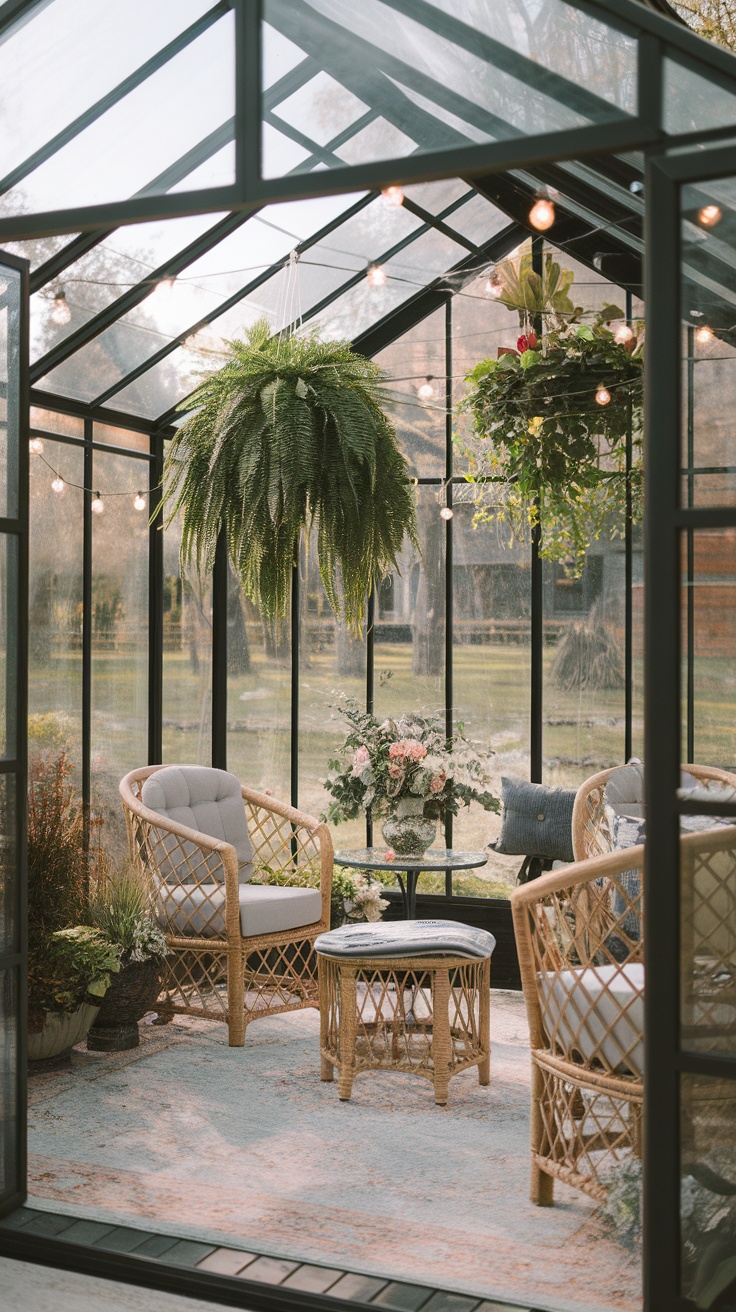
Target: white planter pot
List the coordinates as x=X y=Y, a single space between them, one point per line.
x=61 y=1030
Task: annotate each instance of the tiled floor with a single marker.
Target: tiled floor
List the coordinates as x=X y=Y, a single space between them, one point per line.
x=363 y=1290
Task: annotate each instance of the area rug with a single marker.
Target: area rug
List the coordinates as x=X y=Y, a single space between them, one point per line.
x=247 y=1147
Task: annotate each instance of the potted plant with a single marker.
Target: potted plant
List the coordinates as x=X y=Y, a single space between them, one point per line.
x=552 y=419
x=70 y=963
x=121 y=911
x=408 y=772
x=291 y=435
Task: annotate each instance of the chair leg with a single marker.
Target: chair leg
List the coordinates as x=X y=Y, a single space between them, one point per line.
x=348 y=1025
x=441 y=1037
x=484 y=1024
x=542 y=1185
x=236 y=1023
x=327 y=1070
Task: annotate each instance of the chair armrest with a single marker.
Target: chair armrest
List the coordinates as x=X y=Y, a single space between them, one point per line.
x=289 y=835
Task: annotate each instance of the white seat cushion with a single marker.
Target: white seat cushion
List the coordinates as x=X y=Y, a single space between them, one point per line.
x=204 y=799
x=198 y=911
x=598 y=1012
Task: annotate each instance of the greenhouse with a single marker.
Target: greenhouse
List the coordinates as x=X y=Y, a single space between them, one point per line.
x=366 y=381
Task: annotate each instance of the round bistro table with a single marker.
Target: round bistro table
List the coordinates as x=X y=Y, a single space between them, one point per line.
x=436 y=858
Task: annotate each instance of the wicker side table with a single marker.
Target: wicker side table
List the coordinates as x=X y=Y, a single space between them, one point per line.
x=429 y=1016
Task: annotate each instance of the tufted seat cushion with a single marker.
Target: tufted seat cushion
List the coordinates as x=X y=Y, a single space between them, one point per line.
x=204 y=799
x=624 y=791
x=198 y=910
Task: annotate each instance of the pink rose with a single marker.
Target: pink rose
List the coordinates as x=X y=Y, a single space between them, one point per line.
x=360 y=755
x=437 y=783
x=416 y=750
x=396 y=751
x=395 y=770
x=389 y=854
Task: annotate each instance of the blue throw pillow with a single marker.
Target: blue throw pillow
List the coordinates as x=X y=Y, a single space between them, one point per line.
x=537 y=820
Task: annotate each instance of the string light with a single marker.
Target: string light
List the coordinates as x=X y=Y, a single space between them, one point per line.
x=35 y=446
x=163 y=289
x=376 y=276
x=392 y=196
x=542 y=214
x=60 y=312
x=446 y=513
x=139 y=502
x=426 y=391
x=57 y=484
x=624 y=334
x=98 y=504
x=493 y=287
x=709 y=216
x=603 y=396
x=704 y=334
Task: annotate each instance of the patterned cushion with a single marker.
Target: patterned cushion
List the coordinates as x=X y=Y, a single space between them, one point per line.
x=207 y=800
x=407 y=938
x=537 y=821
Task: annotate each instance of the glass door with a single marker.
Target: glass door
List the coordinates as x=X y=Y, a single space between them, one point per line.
x=13 y=664
x=690 y=713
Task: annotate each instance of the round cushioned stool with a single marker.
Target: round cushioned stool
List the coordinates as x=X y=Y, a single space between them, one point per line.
x=409 y=995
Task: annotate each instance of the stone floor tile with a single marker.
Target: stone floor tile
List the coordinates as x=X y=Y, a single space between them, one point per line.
x=313 y=1279
x=444 y=1302
x=359 y=1288
x=48 y=1223
x=156 y=1246
x=226 y=1261
x=123 y=1239
x=271 y=1270
x=401 y=1297
x=187 y=1252
x=86 y=1232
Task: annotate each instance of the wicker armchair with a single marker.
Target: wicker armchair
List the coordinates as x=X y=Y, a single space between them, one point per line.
x=580 y=934
x=237 y=950
x=591 y=834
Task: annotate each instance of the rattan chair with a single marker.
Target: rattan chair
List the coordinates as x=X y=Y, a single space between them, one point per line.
x=225 y=961
x=580 y=934
x=591 y=833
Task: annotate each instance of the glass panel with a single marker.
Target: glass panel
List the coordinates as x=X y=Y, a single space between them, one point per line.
x=121 y=437
x=258 y=695
x=55 y=603
x=708 y=936
x=477 y=220
x=187 y=660
x=8 y=887
x=9 y=1136
x=584 y=722
x=8 y=640
x=332 y=660
x=491 y=673
x=693 y=102
x=708 y=1197
x=712 y=614
x=51 y=421
x=528 y=78
x=415 y=368
x=119 y=732
x=709 y=354
x=136 y=145
x=10 y=294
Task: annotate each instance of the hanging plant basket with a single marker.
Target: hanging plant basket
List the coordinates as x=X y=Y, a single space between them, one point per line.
x=551 y=418
x=291 y=435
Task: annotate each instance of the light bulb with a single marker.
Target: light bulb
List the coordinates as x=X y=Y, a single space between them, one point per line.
x=57 y=484
x=704 y=334
x=542 y=214
x=35 y=446
x=60 y=312
x=98 y=504
x=376 y=276
x=624 y=334
x=446 y=513
x=426 y=391
x=493 y=288
x=139 y=502
x=603 y=396
x=709 y=216
x=392 y=196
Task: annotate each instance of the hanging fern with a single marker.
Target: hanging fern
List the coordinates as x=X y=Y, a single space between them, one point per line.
x=291 y=434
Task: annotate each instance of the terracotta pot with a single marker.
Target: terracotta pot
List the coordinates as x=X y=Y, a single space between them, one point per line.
x=51 y=1046
x=132 y=992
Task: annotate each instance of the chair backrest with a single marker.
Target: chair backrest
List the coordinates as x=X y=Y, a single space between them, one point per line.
x=204 y=799
x=622 y=788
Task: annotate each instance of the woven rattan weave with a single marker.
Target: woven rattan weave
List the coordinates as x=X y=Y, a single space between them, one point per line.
x=591 y=835
x=580 y=933
x=228 y=976
x=428 y=1016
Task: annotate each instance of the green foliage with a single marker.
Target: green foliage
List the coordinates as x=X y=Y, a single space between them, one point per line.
x=537 y=296
x=544 y=451
x=60 y=869
x=121 y=910
x=80 y=961
x=47 y=732
x=291 y=433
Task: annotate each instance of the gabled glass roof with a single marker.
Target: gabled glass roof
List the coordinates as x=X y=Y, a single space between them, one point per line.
x=158 y=103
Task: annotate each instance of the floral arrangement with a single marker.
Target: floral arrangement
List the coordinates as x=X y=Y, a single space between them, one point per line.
x=551 y=420
x=121 y=910
x=76 y=966
x=410 y=759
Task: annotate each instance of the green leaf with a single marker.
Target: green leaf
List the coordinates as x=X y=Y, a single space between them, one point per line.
x=585 y=333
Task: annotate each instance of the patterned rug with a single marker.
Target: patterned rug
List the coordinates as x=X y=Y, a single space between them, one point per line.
x=247 y=1147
